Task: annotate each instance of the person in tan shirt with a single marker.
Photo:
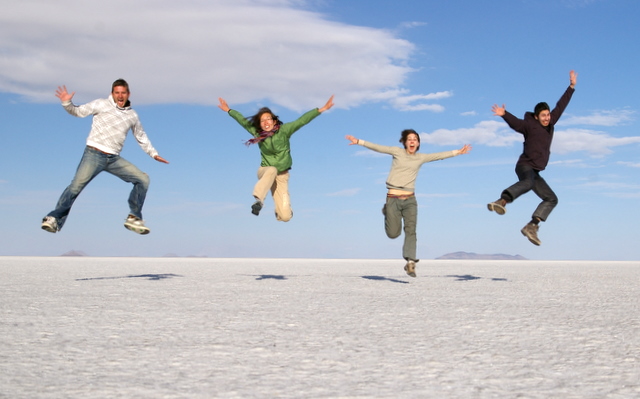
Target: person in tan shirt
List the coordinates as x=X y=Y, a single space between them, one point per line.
x=401 y=206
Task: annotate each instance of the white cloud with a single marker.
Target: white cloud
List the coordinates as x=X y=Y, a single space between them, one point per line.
x=600 y=118
x=370 y=154
x=593 y=142
x=350 y=192
x=196 y=51
x=630 y=164
x=498 y=134
x=406 y=103
x=489 y=133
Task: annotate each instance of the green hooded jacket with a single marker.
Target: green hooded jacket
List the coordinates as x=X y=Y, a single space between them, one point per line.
x=276 y=150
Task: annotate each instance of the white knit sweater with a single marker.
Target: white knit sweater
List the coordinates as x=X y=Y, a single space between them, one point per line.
x=111 y=125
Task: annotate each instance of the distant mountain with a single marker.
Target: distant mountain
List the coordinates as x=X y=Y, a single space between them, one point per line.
x=73 y=252
x=471 y=255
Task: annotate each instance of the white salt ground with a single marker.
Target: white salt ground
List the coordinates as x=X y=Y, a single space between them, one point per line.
x=303 y=328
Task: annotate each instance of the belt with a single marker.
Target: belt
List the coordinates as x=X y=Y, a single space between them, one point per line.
x=99 y=150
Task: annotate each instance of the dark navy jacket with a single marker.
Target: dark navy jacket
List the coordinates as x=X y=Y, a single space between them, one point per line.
x=537 y=138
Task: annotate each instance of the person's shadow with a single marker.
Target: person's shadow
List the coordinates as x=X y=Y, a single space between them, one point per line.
x=380 y=278
x=147 y=276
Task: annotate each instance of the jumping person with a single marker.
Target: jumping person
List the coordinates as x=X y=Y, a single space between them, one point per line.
x=537 y=129
x=401 y=205
x=113 y=117
x=273 y=139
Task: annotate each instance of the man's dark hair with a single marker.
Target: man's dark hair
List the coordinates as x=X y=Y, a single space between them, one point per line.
x=120 y=82
x=405 y=134
x=540 y=107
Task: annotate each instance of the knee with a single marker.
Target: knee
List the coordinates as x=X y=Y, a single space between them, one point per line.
x=393 y=234
x=284 y=218
x=144 y=179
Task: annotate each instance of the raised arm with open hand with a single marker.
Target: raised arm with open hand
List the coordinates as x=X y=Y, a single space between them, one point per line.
x=63 y=95
x=352 y=139
x=498 y=111
x=223 y=105
x=327 y=106
x=464 y=150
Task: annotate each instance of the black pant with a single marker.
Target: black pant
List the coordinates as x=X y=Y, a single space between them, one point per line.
x=530 y=179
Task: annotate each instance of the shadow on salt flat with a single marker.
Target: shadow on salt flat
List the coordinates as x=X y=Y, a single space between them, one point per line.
x=468 y=277
x=380 y=278
x=271 y=277
x=147 y=276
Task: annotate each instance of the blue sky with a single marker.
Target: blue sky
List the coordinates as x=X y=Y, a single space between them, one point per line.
x=436 y=67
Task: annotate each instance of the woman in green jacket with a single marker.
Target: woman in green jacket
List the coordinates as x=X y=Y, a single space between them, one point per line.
x=272 y=136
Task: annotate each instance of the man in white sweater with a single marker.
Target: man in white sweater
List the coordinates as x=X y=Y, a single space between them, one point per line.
x=113 y=117
x=401 y=204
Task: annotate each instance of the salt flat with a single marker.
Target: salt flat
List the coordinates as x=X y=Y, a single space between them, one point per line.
x=303 y=328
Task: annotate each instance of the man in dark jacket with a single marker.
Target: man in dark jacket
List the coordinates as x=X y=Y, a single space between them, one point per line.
x=537 y=129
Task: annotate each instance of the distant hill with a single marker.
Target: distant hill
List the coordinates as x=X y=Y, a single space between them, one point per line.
x=73 y=252
x=471 y=255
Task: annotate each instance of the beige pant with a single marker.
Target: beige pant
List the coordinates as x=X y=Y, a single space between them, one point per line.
x=278 y=183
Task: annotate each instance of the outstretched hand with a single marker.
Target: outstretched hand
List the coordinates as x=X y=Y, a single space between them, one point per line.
x=573 y=78
x=63 y=95
x=352 y=139
x=223 y=105
x=160 y=159
x=327 y=106
x=498 y=111
x=465 y=149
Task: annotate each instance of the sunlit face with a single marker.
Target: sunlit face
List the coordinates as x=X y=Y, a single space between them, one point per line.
x=266 y=122
x=120 y=95
x=412 y=143
x=544 y=117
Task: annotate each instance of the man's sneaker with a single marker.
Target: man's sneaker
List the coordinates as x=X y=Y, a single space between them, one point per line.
x=498 y=206
x=136 y=225
x=256 y=207
x=531 y=232
x=410 y=268
x=50 y=224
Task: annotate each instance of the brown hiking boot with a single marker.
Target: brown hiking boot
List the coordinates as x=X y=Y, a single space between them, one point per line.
x=531 y=232
x=498 y=206
x=410 y=268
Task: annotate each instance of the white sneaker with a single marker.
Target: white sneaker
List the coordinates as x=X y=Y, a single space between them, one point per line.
x=136 y=225
x=50 y=224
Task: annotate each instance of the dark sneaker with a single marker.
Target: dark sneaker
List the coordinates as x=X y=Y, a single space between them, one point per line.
x=50 y=224
x=498 y=206
x=410 y=268
x=531 y=232
x=256 y=207
x=136 y=225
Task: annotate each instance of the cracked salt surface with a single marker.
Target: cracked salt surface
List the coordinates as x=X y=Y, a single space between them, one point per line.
x=309 y=328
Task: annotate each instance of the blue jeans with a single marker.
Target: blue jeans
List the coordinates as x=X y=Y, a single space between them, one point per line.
x=92 y=163
x=396 y=211
x=530 y=179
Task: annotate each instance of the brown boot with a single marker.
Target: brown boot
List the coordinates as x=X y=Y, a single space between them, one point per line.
x=531 y=232
x=498 y=206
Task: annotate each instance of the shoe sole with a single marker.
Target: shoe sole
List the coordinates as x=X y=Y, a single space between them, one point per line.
x=48 y=228
x=533 y=240
x=255 y=209
x=138 y=229
x=411 y=271
x=497 y=208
